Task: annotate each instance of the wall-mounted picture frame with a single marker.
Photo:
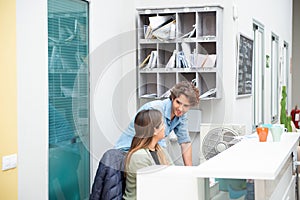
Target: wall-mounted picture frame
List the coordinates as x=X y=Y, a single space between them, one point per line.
x=244 y=66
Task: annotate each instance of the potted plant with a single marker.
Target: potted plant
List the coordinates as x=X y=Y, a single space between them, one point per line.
x=284 y=119
x=283 y=105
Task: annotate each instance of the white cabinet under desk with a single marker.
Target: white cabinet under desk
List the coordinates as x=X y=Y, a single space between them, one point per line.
x=269 y=164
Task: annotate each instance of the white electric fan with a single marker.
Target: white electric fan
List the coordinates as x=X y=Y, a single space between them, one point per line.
x=218 y=140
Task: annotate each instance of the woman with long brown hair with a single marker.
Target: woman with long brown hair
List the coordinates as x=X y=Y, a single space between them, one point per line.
x=145 y=150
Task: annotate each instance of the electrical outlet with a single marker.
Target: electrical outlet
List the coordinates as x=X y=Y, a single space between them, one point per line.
x=9 y=162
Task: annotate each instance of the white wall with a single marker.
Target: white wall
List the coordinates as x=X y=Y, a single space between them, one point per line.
x=113 y=76
x=267 y=13
x=32 y=73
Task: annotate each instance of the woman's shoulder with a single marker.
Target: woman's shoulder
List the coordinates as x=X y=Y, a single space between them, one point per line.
x=140 y=158
x=140 y=154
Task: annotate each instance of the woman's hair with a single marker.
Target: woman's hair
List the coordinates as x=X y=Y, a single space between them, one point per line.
x=144 y=124
x=188 y=89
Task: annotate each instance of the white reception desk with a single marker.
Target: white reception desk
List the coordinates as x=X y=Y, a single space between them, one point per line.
x=269 y=164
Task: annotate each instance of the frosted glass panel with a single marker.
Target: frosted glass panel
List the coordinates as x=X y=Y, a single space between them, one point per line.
x=274 y=78
x=68 y=99
x=258 y=98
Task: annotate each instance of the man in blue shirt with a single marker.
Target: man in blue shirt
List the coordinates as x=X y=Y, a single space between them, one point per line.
x=184 y=95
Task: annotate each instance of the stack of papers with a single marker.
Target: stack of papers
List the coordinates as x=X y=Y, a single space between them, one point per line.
x=181 y=61
x=150 y=61
x=164 y=32
x=161 y=27
x=205 y=60
x=172 y=60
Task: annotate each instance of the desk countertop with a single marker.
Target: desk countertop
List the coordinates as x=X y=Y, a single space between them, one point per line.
x=250 y=159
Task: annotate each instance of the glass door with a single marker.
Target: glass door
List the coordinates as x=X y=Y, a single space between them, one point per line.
x=68 y=76
x=258 y=79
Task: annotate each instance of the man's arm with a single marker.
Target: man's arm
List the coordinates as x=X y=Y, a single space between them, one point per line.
x=186 y=150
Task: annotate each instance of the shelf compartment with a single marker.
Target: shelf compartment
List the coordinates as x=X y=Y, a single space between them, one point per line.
x=148 y=84
x=189 y=49
x=206 y=81
x=207 y=24
x=165 y=51
x=143 y=22
x=206 y=47
x=186 y=76
x=188 y=45
x=144 y=51
x=185 y=24
x=165 y=82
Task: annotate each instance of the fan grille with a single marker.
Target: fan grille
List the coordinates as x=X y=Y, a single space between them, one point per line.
x=217 y=140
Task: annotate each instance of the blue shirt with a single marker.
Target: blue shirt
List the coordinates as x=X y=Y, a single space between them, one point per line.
x=178 y=124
